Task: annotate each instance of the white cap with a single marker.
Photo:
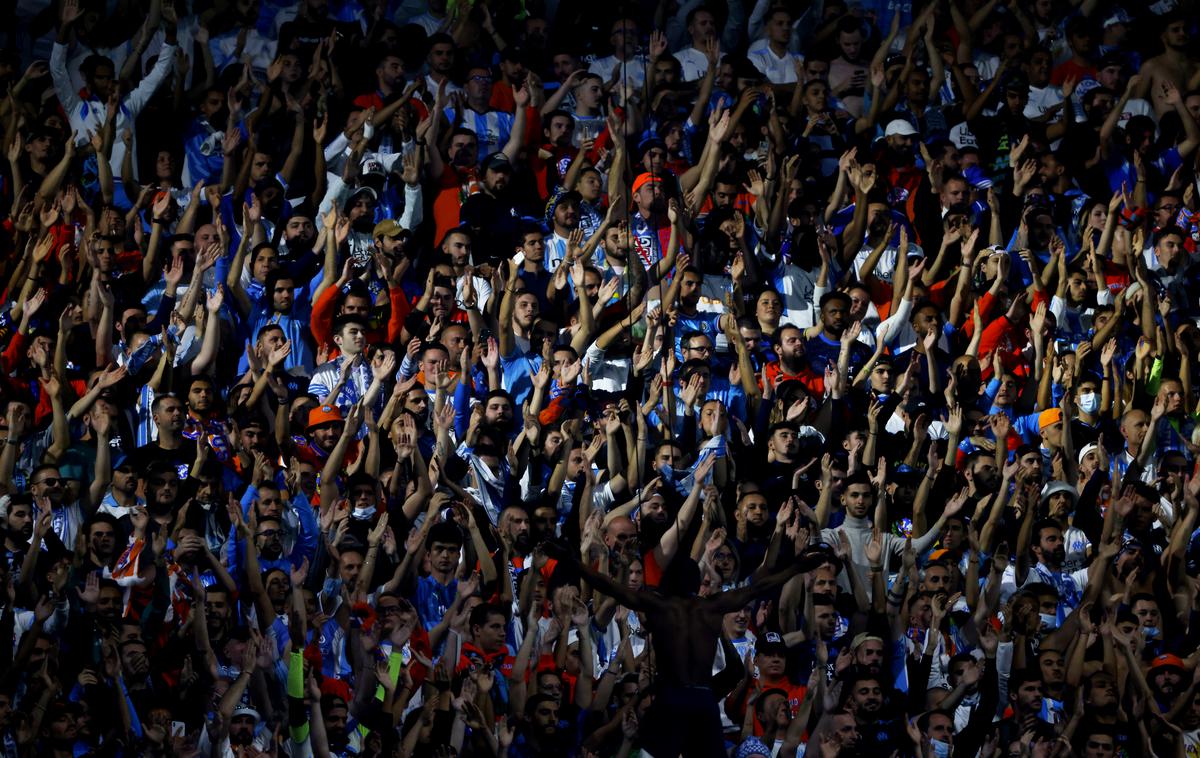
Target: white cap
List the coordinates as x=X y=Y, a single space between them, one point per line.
x=1087 y=449
x=899 y=126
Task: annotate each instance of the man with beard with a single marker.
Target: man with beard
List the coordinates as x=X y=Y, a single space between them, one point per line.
x=492 y=213
x=687 y=287
x=472 y=190
x=1043 y=542
x=162 y=491
x=792 y=364
x=60 y=730
x=49 y=491
x=323 y=428
x=516 y=532
x=754 y=530
x=538 y=734
x=296 y=244
x=206 y=421
x=981 y=474
x=287 y=306
x=895 y=159
x=824 y=348
x=562 y=216
x=16 y=517
x=457 y=248
x=171 y=448
x=866 y=698
x=1173 y=67
x=650 y=226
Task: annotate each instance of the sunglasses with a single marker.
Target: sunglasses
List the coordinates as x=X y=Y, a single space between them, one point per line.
x=52 y=481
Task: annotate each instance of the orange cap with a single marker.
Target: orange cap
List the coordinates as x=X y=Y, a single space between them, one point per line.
x=323 y=414
x=1165 y=660
x=1049 y=418
x=644 y=179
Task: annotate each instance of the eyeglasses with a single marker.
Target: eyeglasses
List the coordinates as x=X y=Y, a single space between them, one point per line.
x=52 y=481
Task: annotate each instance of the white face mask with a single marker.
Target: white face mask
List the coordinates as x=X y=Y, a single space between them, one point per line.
x=1049 y=620
x=940 y=749
x=1088 y=402
x=363 y=514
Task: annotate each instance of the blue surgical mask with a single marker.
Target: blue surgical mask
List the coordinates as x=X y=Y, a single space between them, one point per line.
x=1089 y=402
x=1049 y=620
x=940 y=749
x=363 y=514
x=1151 y=632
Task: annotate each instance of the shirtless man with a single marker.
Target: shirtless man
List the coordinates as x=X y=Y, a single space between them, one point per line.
x=1173 y=65
x=675 y=613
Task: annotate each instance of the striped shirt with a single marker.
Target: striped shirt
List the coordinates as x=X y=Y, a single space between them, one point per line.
x=491 y=129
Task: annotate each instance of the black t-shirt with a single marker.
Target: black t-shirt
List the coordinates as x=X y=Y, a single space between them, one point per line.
x=180 y=459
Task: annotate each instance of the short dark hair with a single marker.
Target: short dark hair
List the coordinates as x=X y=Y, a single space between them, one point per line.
x=445 y=532
x=481 y=613
x=834 y=295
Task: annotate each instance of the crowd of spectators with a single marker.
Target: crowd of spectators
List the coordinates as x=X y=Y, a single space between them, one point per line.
x=519 y=378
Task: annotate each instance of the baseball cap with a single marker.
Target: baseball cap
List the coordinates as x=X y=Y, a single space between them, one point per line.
x=388 y=228
x=1049 y=417
x=558 y=198
x=862 y=638
x=900 y=127
x=246 y=710
x=514 y=54
x=650 y=142
x=497 y=162
x=1087 y=449
x=643 y=179
x=372 y=167
x=1166 y=660
x=324 y=414
x=1016 y=84
x=1118 y=16
x=771 y=644
x=369 y=191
